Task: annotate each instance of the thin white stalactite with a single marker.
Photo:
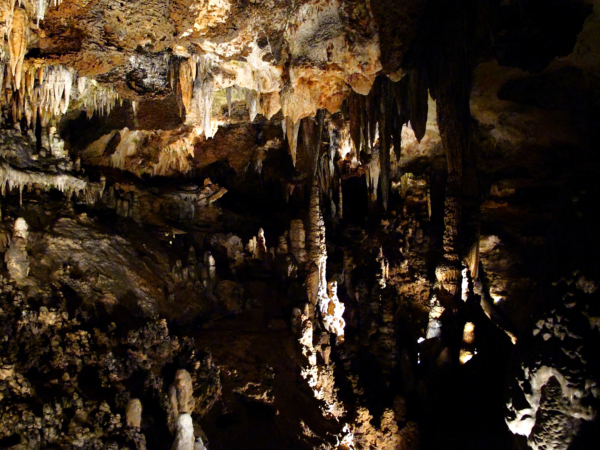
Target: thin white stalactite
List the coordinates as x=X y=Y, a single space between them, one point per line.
x=49 y=92
x=11 y=178
x=203 y=94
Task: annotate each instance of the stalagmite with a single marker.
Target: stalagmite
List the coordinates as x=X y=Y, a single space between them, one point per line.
x=383 y=273
x=16 y=258
x=261 y=244
x=298 y=241
x=133 y=413
x=332 y=311
x=199 y=444
x=184 y=435
x=434 y=324
x=317 y=251
x=466 y=351
x=181 y=398
x=322 y=298
x=452 y=94
x=321 y=294
x=211 y=268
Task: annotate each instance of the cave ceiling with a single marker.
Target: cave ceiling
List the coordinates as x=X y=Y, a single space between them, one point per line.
x=299 y=224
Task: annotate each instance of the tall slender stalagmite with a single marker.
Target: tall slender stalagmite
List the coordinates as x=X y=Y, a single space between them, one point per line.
x=451 y=77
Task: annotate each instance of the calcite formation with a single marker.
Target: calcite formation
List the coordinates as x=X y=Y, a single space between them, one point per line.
x=16 y=258
x=133 y=413
x=556 y=389
x=184 y=435
x=333 y=224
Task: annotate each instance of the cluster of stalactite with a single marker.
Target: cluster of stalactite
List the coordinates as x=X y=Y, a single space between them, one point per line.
x=40 y=93
x=194 y=84
x=376 y=122
x=15 y=16
x=319 y=322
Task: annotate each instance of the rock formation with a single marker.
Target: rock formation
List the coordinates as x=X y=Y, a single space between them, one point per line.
x=338 y=224
x=134 y=413
x=16 y=258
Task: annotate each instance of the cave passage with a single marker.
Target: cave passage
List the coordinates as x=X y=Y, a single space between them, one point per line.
x=343 y=225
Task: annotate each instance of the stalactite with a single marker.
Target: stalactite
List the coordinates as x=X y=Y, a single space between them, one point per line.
x=6 y=16
x=17 y=44
x=448 y=69
x=184 y=74
x=99 y=98
x=11 y=178
x=40 y=10
x=291 y=132
x=311 y=138
x=229 y=94
x=47 y=91
x=270 y=104
x=203 y=94
x=327 y=167
x=252 y=98
x=356 y=108
x=373 y=171
x=376 y=122
x=384 y=152
x=134 y=106
x=2 y=69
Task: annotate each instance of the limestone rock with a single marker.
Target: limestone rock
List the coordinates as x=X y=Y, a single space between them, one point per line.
x=184 y=435
x=557 y=387
x=16 y=258
x=181 y=393
x=133 y=413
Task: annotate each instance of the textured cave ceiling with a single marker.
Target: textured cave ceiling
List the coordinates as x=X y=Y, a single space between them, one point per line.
x=299 y=224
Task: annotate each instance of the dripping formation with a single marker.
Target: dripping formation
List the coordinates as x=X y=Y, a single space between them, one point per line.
x=311 y=224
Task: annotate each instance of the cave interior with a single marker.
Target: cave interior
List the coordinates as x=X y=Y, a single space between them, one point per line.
x=299 y=224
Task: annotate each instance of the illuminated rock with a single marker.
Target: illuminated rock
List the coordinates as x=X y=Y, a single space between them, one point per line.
x=16 y=258
x=133 y=413
x=184 y=434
